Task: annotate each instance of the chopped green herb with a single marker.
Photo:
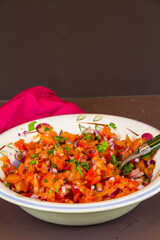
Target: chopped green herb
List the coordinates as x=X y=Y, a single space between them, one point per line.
x=127 y=168
x=79 y=170
x=55 y=179
x=4 y=165
x=97 y=137
x=120 y=158
x=60 y=139
x=112 y=125
x=50 y=151
x=77 y=165
x=45 y=180
x=32 y=162
x=67 y=148
x=46 y=129
x=31 y=126
x=102 y=146
x=56 y=190
x=8 y=184
x=57 y=145
x=114 y=159
x=76 y=151
x=119 y=164
x=85 y=165
x=87 y=136
x=68 y=190
x=34 y=156
x=50 y=191
x=53 y=165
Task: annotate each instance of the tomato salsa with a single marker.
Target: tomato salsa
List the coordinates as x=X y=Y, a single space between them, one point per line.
x=76 y=168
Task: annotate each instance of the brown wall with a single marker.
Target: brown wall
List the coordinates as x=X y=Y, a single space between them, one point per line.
x=80 y=47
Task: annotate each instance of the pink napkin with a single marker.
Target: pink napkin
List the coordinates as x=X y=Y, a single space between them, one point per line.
x=31 y=104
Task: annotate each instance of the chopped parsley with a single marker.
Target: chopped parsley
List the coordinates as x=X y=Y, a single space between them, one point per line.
x=127 y=168
x=34 y=156
x=87 y=136
x=50 y=191
x=8 y=184
x=60 y=139
x=46 y=129
x=112 y=125
x=45 y=180
x=78 y=166
x=67 y=148
x=31 y=126
x=53 y=165
x=50 y=151
x=56 y=190
x=102 y=146
x=114 y=159
x=32 y=162
x=55 y=179
x=85 y=165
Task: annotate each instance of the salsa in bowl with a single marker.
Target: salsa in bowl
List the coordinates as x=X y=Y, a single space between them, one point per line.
x=70 y=166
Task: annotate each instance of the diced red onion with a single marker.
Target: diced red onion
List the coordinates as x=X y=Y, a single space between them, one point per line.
x=94 y=167
x=136 y=173
x=70 y=156
x=140 y=187
x=114 y=193
x=99 y=189
x=25 y=133
x=105 y=138
x=75 y=187
x=125 y=150
x=92 y=187
x=111 y=179
x=138 y=180
x=53 y=170
x=63 y=189
x=147 y=136
x=48 y=162
x=75 y=144
x=136 y=159
x=34 y=196
x=40 y=128
x=151 y=162
x=60 y=132
x=112 y=147
x=67 y=186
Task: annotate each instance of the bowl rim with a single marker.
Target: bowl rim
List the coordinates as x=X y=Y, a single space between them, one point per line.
x=125 y=201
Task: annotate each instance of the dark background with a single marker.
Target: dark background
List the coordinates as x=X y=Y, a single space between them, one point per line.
x=80 y=48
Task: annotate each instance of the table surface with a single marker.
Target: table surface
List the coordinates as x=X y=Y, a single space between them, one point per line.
x=143 y=222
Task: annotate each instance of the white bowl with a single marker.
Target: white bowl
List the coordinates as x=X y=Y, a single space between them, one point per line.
x=80 y=214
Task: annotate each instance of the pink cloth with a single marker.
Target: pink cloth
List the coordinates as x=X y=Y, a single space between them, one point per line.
x=33 y=103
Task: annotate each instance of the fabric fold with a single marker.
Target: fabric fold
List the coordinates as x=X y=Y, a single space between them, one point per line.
x=34 y=103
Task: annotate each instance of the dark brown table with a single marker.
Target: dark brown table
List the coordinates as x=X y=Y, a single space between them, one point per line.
x=141 y=223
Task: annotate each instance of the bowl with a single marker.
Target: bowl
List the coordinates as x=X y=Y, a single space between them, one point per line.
x=84 y=213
